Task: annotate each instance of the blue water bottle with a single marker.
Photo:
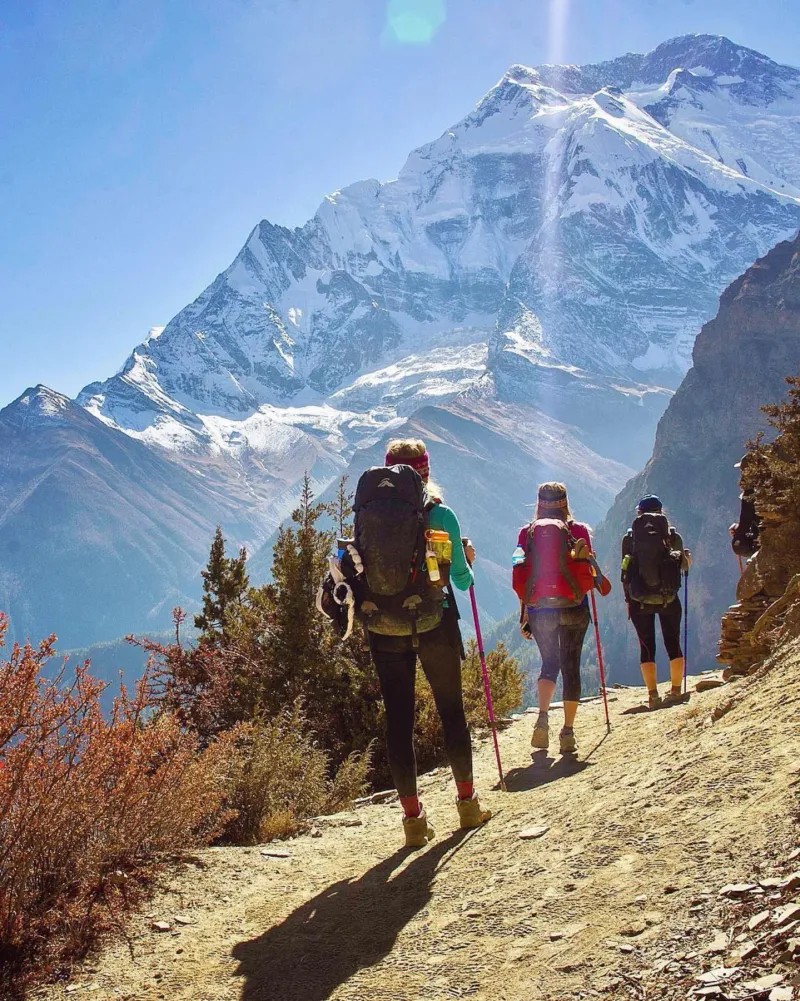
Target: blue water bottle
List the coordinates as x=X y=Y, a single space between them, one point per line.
x=518 y=557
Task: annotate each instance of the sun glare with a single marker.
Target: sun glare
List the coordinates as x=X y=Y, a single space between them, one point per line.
x=414 y=22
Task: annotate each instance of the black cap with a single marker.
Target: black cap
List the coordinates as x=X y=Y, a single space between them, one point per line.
x=649 y=504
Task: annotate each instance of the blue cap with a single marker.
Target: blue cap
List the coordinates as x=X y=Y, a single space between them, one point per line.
x=649 y=504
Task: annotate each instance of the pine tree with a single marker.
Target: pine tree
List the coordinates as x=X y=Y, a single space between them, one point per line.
x=342 y=508
x=300 y=656
x=225 y=582
x=773 y=471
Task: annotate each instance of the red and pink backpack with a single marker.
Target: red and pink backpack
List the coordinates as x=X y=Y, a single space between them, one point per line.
x=550 y=576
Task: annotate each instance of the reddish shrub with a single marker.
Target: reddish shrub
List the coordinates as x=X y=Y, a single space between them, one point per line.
x=87 y=802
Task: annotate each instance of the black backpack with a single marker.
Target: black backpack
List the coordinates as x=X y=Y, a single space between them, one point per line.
x=653 y=576
x=394 y=596
x=745 y=541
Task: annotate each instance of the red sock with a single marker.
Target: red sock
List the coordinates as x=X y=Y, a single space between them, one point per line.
x=411 y=806
x=465 y=789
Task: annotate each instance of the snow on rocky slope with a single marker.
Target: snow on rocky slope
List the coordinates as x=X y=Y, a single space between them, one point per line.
x=584 y=217
x=556 y=251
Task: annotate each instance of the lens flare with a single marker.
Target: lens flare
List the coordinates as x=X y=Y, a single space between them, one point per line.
x=554 y=161
x=414 y=22
x=557 y=30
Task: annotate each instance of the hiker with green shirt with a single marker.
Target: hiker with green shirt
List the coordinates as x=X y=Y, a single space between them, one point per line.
x=653 y=558
x=409 y=547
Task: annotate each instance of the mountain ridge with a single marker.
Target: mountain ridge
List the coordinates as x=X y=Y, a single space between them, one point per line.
x=551 y=254
x=349 y=264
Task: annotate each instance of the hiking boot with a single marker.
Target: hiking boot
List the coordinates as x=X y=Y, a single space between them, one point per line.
x=471 y=813
x=418 y=831
x=673 y=697
x=540 y=737
x=567 y=742
x=654 y=700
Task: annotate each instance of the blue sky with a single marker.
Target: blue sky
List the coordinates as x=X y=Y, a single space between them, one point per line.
x=141 y=140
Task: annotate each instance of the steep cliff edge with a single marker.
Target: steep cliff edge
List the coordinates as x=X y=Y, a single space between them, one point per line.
x=767 y=611
x=740 y=361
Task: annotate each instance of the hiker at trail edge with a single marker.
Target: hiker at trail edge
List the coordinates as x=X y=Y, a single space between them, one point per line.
x=409 y=547
x=745 y=540
x=653 y=558
x=553 y=571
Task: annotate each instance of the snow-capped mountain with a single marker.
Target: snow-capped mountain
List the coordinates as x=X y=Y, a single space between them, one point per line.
x=585 y=217
x=552 y=256
x=99 y=534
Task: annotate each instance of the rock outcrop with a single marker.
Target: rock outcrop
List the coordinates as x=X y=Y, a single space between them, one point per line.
x=741 y=359
x=767 y=611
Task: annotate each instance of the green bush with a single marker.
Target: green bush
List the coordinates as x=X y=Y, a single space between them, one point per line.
x=506 y=681
x=283 y=778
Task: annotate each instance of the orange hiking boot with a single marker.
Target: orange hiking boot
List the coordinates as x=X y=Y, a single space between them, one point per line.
x=471 y=813
x=418 y=831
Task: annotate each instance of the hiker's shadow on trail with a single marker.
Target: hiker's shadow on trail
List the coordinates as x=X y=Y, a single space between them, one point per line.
x=544 y=769
x=350 y=925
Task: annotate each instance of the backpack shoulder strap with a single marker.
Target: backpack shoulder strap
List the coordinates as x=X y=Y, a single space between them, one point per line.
x=563 y=563
x=532 y=559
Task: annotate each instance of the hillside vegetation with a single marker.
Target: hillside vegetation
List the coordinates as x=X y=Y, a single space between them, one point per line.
x=767 y=612
x=618 y=897
x=265 y=721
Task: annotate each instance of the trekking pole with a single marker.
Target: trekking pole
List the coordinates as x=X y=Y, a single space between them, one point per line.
x=686 y=628
x=486 y=689
x=741 y=565
x=600 y=660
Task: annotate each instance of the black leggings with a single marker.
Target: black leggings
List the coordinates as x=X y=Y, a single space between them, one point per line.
x=396 y=663
x=644 y=622
x=559 y=634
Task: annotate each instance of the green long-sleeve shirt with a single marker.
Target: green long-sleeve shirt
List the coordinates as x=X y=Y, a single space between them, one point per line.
x=443 y=519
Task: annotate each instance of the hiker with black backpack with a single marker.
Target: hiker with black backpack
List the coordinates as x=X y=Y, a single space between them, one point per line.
x=553 y=572
x=745 y=540
x=408 y=545
x=653 y=559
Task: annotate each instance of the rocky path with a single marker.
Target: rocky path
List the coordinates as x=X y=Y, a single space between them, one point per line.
x=643 y=828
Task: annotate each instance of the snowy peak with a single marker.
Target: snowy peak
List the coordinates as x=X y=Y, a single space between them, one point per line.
x=750 y=75
x=40 y=406
x=588 y=216
x=748 y=72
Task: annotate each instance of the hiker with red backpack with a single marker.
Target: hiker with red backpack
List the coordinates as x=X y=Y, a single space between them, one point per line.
x=409 y=549
x=653 y=558
x=553 y=572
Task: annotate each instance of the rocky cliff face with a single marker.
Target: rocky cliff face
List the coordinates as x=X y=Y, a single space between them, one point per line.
x=741 y=359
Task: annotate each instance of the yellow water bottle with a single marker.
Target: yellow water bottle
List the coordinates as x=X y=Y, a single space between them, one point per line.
x=433 y=566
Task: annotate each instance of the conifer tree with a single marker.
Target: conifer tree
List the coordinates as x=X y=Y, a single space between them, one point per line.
x=773 y=471
x=342 y=508
x=225 y=582
x=299 y=655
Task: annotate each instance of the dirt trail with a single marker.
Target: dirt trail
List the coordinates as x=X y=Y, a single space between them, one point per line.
x=668 y=806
